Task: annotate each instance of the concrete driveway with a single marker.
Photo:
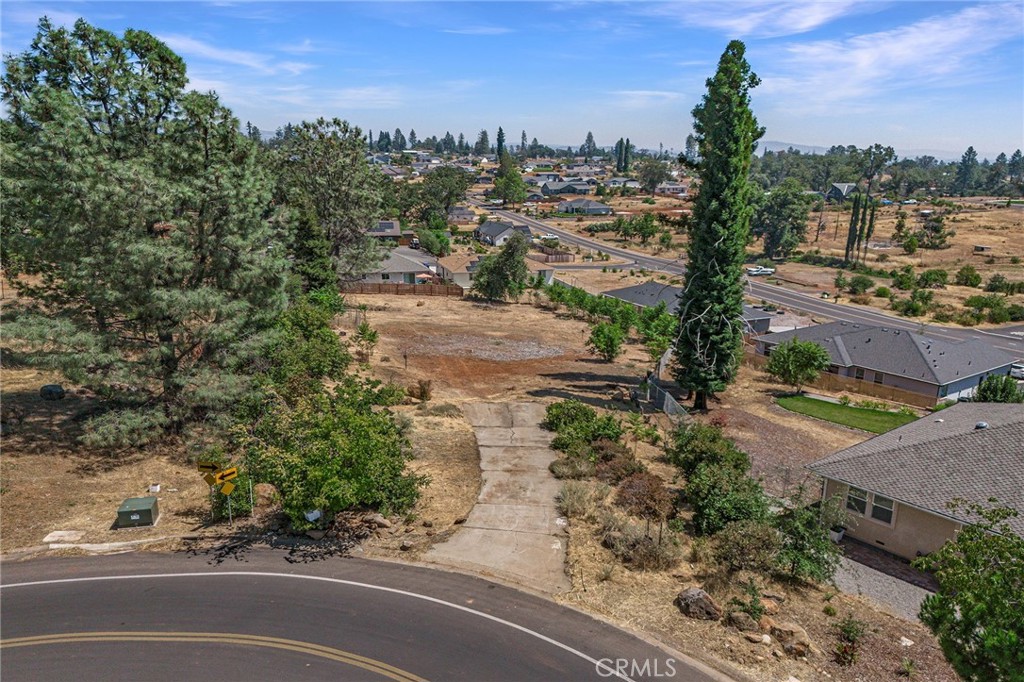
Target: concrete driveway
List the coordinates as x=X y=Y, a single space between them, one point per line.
x=514 y=530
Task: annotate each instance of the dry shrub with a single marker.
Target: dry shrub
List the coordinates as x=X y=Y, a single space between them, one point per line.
x=605 y=450
x=635 y=548
x=439 y=410
x=573 y=468
x=643 y=494
x=619 y=467
x=702 y=551
x=575 y=499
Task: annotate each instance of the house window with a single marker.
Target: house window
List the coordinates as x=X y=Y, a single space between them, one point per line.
x=385 y=276
x=859 y=373
x=943 y=391
x=857 y=500
x=878 y=377
x=881 y=509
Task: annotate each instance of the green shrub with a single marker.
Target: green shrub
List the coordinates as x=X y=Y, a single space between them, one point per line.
x=859 y=284
x=696 y=443
x=721 y=495
x=752 y=605
x=829 y=610
x=883 y=292
x=567 y=412
x=749 y=545
x=807 y=552
x=850 y=632
x=968 y=276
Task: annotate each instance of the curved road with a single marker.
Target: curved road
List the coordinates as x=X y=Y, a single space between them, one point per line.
x=775 y=294
x=178 y=617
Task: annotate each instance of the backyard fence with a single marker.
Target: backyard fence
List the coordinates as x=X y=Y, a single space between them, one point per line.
x=841 y=384
x=406 y=289
x=663 y=400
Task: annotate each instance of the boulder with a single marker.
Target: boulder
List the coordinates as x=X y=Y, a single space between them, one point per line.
x=766 y=623
x=696 y=603
x=771 y=607
x=406 y=545
x=742 y=621
x=316 y=534
x=793 y=638
x=774 y=596
x=758 y=638
x=52 y=392
x=378 y=520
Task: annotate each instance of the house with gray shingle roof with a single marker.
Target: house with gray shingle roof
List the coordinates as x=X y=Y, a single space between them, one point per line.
x=584 y=206
x=839 y=191
x=404 y=265
x=897 y=487
x=651 y=293
x=921 y=363
x=552 y=188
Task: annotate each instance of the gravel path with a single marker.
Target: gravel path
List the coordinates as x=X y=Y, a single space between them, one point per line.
x=895 y=595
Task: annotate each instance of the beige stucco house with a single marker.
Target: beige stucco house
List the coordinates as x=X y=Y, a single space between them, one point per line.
x=897 y=487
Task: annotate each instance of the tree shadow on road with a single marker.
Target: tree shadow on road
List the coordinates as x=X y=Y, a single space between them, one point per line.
x=297 y=550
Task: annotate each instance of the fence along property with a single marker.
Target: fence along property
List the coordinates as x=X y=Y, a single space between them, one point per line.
x=839 y=384
x=406 y=289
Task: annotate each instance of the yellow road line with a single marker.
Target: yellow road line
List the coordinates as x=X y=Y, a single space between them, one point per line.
x=338 y=655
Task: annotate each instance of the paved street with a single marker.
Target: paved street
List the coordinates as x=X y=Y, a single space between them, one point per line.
x=1002 y=339
x=255 y=616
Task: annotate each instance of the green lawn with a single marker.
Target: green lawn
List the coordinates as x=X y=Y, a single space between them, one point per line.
x=875 y=421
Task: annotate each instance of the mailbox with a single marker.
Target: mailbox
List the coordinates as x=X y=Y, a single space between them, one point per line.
x=137 y=511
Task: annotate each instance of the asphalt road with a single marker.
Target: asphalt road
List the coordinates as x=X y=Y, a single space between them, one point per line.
x=811 y=304
x=256 y=617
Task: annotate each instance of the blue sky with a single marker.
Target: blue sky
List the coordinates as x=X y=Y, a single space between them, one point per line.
x=920 y=76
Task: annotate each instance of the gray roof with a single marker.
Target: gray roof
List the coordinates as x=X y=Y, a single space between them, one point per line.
x=936 y=459
x=844 y=188
x=651 y=293
x=584 y=203
x=402 y=259
x=899 y=352
x=493 y=229
x=386 y=228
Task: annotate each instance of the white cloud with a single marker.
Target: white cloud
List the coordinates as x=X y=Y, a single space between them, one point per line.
x=294 y=68
x=368 y=97
x=28 y=14
x=642 y=99
x=760 y=18
x=478 y=30
x=196 y=48
x=940 y=50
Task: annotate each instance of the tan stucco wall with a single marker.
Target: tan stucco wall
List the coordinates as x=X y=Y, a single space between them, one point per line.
x=913 y=531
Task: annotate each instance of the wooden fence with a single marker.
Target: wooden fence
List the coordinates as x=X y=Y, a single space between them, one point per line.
x=840 y=384
x=404 y=289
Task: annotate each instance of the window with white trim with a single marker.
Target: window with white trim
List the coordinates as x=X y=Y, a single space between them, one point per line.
x=385 y=276
x=881 y=509
x=857 y=500
x=858 y=373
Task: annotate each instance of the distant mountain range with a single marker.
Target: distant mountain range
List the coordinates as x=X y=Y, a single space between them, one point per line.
x=941 y=154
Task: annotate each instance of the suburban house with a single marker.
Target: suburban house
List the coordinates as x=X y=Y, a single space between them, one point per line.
x=386 y=230
x=460 y=215
x=897 y=487
x=622 y=182
x=459 y=268
x=404 y=265
x=551 y=188
x=548 y=177
x=650 y=294
x=839 y=191
x=497 y=233
x=899 y=358
x=584 y=206
x=671 y=188
x=393 y=172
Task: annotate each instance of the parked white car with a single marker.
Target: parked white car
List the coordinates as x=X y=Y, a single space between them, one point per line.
x=1017 y=370
x=760 y=270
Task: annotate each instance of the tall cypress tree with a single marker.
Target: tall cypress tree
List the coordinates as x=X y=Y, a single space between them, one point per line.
x=627 y=156
x=862 y=229
x=851 y=231
x=871 y=229
x=710 y=340
x=501 y=142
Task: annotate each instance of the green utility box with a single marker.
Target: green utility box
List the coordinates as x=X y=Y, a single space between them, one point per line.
x=137 y=511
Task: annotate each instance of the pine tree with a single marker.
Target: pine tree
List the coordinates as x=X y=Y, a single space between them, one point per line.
x=412 y=139
x=398 y=142
x=146 y=216
x=710 y=339
x=483 y=144
x=461 y=146
x=523 y=146
x=503 y=274
x=326 y=162
x=627 y=156
x=501 y=142
x=620 y=150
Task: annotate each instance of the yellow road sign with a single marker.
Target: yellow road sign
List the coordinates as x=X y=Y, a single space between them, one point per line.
x=210 y=479
x=208 y=467
x=227 y=475
x=227 y=488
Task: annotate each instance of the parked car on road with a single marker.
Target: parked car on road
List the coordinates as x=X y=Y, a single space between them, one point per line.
x=760 y=270
x=1017 y=370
